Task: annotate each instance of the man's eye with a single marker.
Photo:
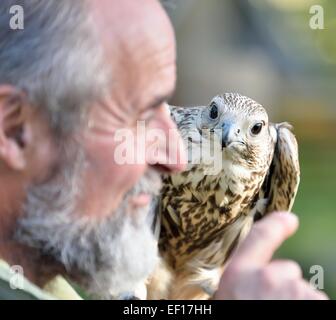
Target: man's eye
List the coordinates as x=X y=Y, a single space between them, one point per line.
x=213 y=111
x=256 y=129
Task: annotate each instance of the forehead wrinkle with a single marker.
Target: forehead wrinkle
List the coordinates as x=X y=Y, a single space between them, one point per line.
x=128 y=98
x=131 y=31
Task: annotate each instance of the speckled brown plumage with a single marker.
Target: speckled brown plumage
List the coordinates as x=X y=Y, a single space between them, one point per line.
x=205 y=216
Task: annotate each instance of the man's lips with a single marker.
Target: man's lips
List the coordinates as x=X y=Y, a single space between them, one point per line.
x=141 y=200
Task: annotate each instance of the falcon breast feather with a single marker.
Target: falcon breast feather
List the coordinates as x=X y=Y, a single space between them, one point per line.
x=241 y=167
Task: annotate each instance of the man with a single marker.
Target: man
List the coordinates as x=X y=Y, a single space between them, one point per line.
x=77 y=74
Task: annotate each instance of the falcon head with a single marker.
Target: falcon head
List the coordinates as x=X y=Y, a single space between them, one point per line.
x=240 y=125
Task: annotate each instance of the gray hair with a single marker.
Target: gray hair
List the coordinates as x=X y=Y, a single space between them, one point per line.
x=56 y=59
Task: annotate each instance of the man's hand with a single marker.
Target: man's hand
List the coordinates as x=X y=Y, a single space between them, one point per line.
x=251 y=275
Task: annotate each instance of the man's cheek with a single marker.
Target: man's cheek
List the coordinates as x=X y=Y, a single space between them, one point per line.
x=105 y=188
x=113 y=169
x=125 y=176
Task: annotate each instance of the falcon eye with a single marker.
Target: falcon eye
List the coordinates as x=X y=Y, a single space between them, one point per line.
x=213 y=111
x=256 y=129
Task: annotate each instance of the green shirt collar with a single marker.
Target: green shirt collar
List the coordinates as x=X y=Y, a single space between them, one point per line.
x=56 y=289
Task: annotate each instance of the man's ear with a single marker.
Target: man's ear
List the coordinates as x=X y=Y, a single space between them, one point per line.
x=12 y=127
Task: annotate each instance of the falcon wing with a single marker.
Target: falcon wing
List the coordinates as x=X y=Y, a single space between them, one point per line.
x=177 y=113
x=282 y=181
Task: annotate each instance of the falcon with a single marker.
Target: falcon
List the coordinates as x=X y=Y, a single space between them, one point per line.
x=207 y=210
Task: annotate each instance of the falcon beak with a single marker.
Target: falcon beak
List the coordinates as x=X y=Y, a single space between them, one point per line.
x=229 y=134
x=226 y=128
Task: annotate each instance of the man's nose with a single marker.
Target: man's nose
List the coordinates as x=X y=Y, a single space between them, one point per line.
x=172 y=156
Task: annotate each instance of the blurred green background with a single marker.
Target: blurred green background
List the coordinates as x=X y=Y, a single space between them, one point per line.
x=267 y=50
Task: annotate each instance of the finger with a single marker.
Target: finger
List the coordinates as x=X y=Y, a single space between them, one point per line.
x=310 y=293
x=281 y=270
x=265 y=237
x=295 y=289
x=278 y=273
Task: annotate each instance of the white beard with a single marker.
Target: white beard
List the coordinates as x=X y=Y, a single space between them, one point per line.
x=112 y=256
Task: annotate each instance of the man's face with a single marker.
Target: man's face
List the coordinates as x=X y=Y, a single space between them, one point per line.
x=140 y=52
x=92 y=214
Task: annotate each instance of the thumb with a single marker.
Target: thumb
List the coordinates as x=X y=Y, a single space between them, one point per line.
x=265 y=237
